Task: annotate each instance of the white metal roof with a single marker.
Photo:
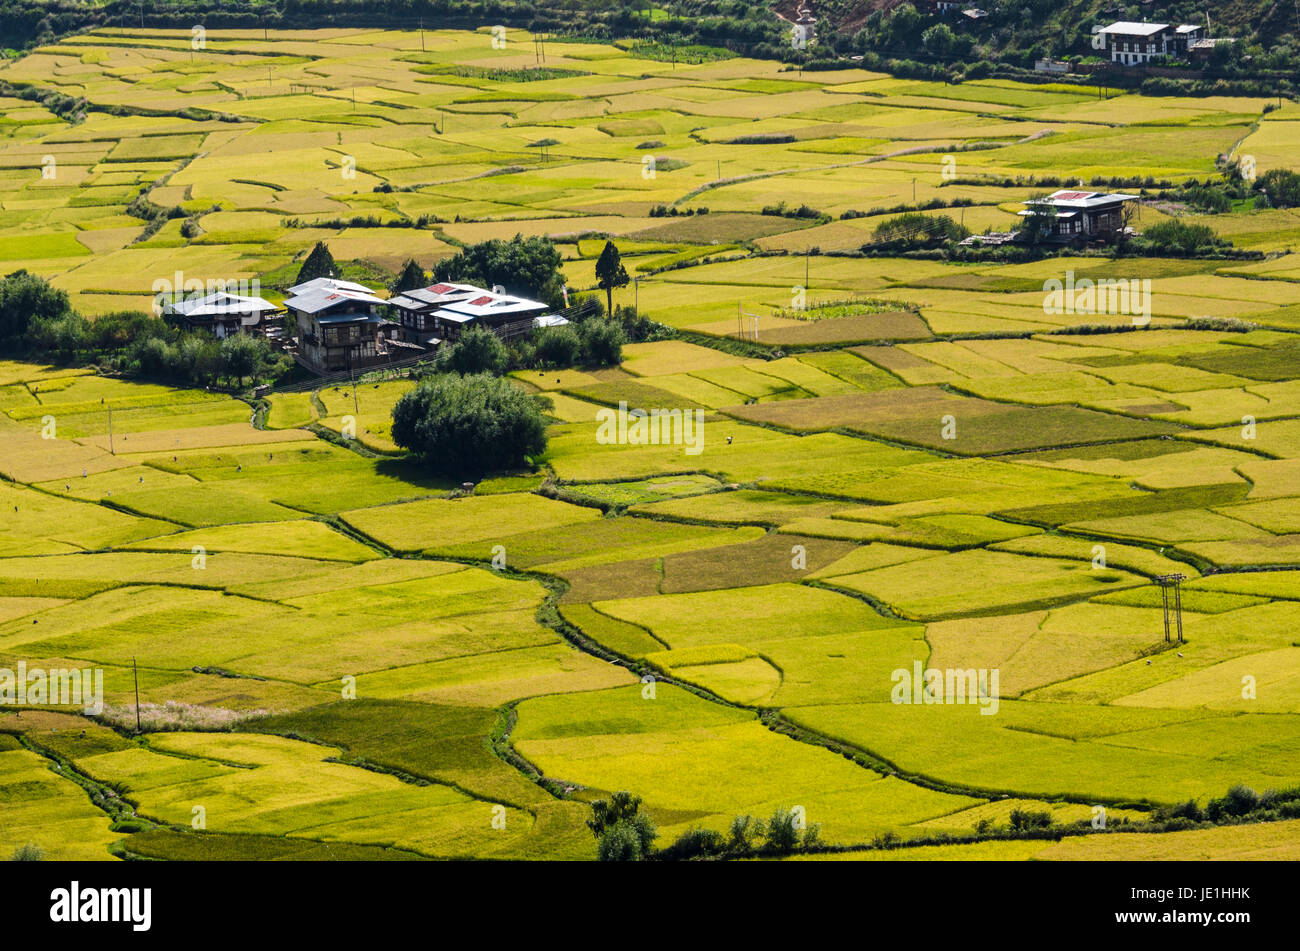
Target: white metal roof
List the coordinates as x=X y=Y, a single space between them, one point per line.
x=436 y=294
x=217 y=303
x=328 y=283
x=1075 y=198
x=321 y=298
x=487 y=304
x=1129 y=28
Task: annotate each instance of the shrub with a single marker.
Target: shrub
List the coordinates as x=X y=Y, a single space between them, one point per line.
x=619 y=843
x=782 y=832
x=477 y=351
x=1180 y=235
x=916 y=228
x=1208 y=199
x=28 y=853
x=623 y=833
x=557 y=346
x=695 y=843
x=1024 y=820
x=467 y=426
x=1281 y=186
x=602 y=343
x=742 y=828
x=1240 y=801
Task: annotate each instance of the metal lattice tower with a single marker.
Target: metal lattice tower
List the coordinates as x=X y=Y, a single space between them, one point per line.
x=1171 y=595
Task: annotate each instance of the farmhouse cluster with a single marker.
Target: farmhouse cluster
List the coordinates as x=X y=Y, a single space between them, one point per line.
x=337 y=325
x=1137 y=44
x=1073 y=216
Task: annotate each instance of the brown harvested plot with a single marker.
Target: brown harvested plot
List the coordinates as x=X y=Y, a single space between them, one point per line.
x=767 y=560
x=638 y=578
x=722 y=228
x=895 y=325
x=964 y=425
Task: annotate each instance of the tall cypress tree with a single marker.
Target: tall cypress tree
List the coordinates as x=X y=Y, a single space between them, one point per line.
x=412 y=277
x=320 y=263
x=610 y=273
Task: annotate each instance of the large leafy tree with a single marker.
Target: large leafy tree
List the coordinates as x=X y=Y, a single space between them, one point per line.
x=25 y=299
x=319 y=263
x=468 y=426
x=623 y=833
x=610 y=273
x=526 y=266
x=1282 y=186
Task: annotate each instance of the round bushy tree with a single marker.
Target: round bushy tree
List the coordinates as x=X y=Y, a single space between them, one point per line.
x=477 y=351
x=557 y=346
x=602 y=343
x=24 y=299
x=467 y=426
x=619 y=843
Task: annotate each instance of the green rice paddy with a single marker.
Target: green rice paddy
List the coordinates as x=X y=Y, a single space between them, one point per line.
x=340 y=656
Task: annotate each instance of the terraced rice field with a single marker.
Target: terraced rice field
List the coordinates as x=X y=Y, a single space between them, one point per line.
x=340 y=656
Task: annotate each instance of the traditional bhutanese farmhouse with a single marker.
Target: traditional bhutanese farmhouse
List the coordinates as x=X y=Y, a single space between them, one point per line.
x=340 y=325
x=1084 y=216
x=440 y=313
x=1134 y=44
x=220 y=313
x=503 y=314
x=414 y=310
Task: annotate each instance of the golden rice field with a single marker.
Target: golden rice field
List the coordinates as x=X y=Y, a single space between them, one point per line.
x=341 y=656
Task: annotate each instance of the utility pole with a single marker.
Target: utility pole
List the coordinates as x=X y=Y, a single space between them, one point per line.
x=355 y=408
x=1173 y=605
x=136 y=671
x=110 y=432
x=806 y=252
